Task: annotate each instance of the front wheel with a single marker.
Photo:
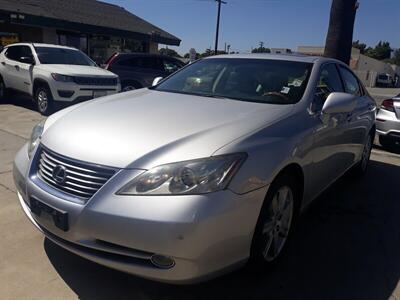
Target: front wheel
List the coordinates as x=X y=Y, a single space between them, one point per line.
x=276 y=221
x=44 y=100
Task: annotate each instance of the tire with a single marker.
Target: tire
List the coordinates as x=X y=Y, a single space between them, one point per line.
x=275 y=223
x=44 y=100
x=3 y=90
x=387 y=142
x=130 y=86
x=361 y=167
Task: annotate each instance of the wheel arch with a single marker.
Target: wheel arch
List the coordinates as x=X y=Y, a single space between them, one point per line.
x=37 y=83
x=294 y=170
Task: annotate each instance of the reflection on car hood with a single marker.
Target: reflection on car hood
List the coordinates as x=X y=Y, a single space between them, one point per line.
x=145 y=128
x=76 y=70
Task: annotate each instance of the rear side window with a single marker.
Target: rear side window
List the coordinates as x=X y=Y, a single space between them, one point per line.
x=351 y=85
x=328 y=82
x=13 y=52
x=16 y=52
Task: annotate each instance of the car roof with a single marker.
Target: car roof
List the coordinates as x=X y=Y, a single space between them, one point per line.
x=42 y=45
x=296 y=57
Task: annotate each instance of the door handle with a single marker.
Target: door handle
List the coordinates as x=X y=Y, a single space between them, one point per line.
x=3 y=63
x=16 y=67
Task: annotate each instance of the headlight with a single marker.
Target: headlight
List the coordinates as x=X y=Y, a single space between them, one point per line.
x=62 y=78
x=189 y=177
x=35 y=137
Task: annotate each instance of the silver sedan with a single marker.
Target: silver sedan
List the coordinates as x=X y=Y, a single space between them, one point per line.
x=202 y=173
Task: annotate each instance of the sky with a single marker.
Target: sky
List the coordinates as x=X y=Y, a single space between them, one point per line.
x=277 y=23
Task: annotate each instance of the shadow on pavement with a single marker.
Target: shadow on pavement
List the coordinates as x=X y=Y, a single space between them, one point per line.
x=20 y=100
x=346 y=247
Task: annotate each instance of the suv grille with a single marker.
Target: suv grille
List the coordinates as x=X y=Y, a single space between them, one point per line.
x=70 y=176
x=98 y=81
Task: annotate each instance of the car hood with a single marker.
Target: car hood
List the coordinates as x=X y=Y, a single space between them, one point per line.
x=75 y=70
x=145 y=128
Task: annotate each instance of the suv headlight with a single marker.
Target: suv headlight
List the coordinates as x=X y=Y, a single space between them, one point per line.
x=198 y=176
x=62 y=78
x=35 y=137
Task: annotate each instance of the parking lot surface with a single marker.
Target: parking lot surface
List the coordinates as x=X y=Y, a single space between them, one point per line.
x=345 y=247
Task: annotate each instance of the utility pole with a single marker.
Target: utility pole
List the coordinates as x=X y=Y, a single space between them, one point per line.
x=218 y=18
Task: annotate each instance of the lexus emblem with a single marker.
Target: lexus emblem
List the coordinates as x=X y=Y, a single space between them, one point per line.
x=59 y=174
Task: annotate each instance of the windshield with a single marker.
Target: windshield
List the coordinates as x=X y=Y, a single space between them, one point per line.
x=253 y=80
x=62 y=56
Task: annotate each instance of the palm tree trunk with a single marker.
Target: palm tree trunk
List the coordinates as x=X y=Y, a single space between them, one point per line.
x=340 y=33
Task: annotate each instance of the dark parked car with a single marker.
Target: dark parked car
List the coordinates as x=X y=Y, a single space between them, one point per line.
x=138 y=70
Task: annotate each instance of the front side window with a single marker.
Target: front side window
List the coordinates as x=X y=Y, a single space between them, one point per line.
x=351 y=85
x=328 y=82
x=252 y=80
x=62 y=56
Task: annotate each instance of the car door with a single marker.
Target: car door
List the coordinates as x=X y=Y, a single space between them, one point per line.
x=24 y=70
x=330 y=158
x=10 y=65
x=359 y=120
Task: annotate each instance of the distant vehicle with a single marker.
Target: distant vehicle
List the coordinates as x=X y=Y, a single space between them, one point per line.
x=138 y=70
x=200 y=173
x=388 y=122
x=52 y=73
x=384 y=80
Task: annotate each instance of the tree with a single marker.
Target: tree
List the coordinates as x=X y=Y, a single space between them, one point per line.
x=168 y=52
x=340 y=33
x=261 y=49
x=381 y=51
x=360 y=46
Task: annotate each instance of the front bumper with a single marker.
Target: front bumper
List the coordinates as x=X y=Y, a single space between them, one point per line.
x=388 y=124
x=204 y=234
x=60 y=91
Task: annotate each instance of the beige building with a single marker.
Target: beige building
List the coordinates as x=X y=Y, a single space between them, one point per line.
x=366 y=68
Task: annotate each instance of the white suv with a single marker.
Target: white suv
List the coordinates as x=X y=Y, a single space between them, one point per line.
x=51 y=73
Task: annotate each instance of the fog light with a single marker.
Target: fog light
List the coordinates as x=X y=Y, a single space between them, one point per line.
x=163 y=262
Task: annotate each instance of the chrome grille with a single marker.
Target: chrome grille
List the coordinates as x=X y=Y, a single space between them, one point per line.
x=82 y=179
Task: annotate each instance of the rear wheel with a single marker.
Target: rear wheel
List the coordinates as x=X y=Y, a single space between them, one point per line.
x=3 y=90
x=44 y=100
x=276 y=221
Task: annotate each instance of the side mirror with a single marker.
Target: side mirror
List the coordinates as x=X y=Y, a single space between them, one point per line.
x=27 y=60
x=339 y=103
x=156 y=80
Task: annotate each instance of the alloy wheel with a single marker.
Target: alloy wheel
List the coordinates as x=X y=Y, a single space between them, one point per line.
x=42 y=100
x=277 y=225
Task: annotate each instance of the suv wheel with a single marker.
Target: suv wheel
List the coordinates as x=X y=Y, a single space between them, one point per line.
x=3 y=90
x=387 y=142
x=44 y=100
x=276 y=221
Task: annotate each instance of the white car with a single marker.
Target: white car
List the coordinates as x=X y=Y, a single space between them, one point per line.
x=51 y=73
